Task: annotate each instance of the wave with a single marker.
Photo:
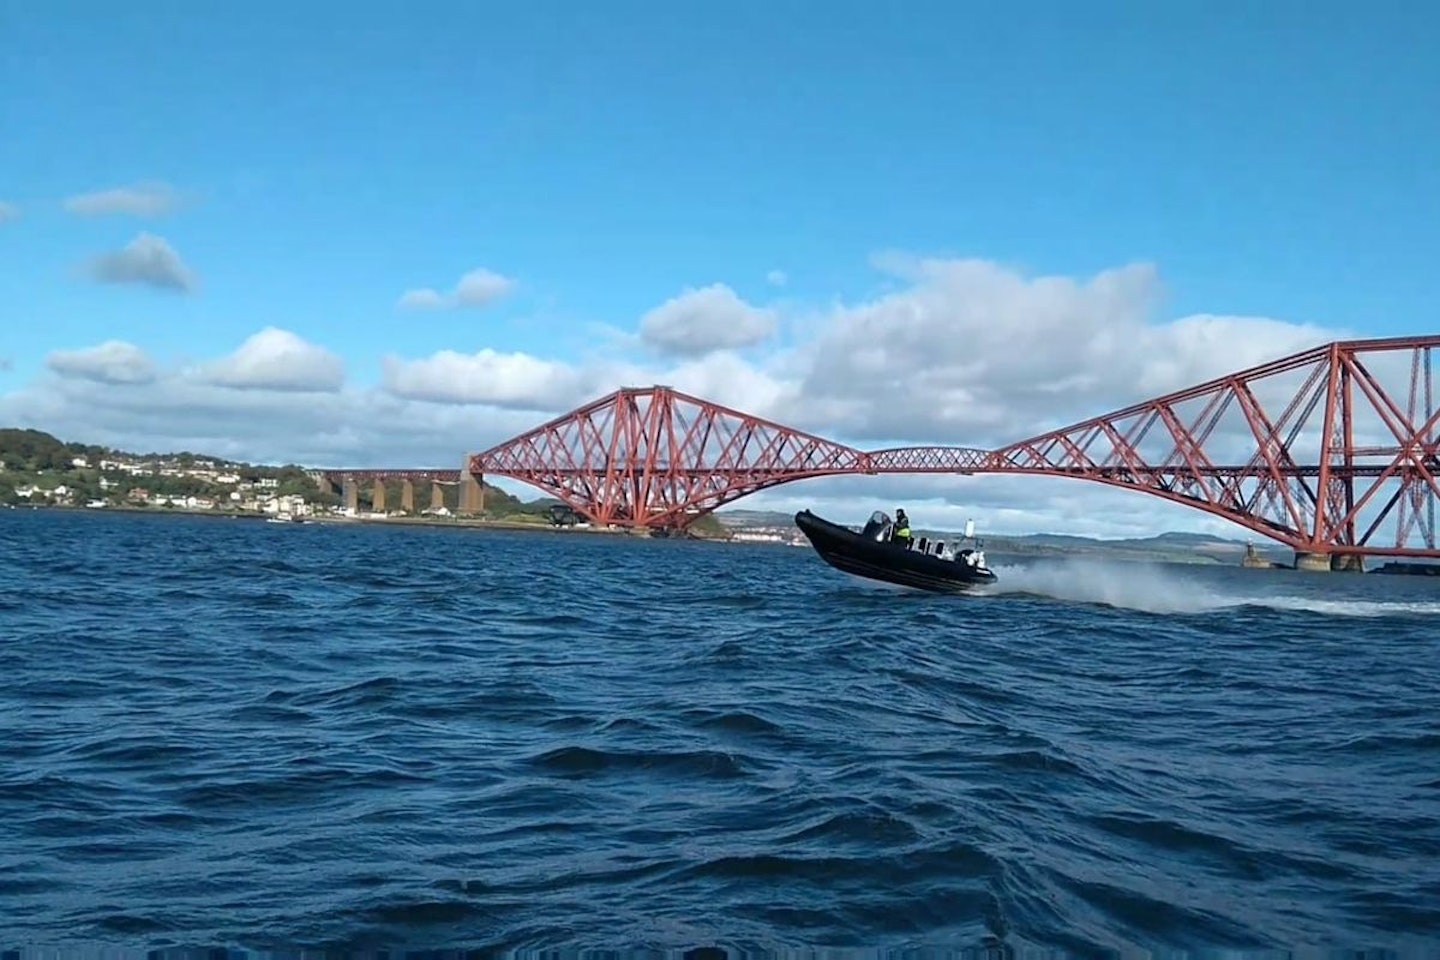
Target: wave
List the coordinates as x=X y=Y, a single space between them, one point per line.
x=1351 y=608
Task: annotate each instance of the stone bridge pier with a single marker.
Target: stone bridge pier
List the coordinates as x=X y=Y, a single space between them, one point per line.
x=472 y=492
x=1326 y=562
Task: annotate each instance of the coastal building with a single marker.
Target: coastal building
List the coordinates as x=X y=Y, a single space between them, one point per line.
x=290 y=505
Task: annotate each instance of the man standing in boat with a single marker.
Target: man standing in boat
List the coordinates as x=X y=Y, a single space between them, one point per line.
x=902 y=528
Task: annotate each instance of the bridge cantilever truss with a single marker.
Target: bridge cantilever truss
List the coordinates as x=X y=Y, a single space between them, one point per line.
x=653 y=456
x=1342 y=460
x=1330 y=451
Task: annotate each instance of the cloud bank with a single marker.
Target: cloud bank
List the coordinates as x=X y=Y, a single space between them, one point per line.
x=951 y=351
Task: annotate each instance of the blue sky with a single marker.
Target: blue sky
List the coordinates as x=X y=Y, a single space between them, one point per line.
x=1267 y=161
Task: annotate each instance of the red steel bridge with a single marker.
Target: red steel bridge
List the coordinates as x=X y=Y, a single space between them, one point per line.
x=1332 y=452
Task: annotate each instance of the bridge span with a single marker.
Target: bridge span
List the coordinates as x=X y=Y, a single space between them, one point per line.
x=1331 y=451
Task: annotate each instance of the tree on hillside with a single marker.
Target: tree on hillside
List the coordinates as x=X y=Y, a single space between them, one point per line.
x=32 y=450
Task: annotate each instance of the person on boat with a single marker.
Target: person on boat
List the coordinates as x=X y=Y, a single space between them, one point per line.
x=901 y=535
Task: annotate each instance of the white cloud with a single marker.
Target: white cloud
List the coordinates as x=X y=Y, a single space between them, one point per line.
x=276 y=359
x=146 y=260
x=513 y=380
x=777 y=278
x=112 y=362
x=721 y=377
x=477 y=288
x=422 y=300
x=700 y=321
x=8 y=211
x=1197 y=348
x=147 y=199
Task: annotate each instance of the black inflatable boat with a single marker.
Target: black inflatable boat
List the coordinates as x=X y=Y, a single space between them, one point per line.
x=871 y=553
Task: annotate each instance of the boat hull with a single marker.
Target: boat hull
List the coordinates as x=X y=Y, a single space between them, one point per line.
x=846 y=550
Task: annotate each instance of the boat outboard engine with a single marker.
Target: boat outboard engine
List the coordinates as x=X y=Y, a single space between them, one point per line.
x=878 y=528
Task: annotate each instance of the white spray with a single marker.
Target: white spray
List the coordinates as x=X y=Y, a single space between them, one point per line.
x=1155 y=589
x=1134 y=586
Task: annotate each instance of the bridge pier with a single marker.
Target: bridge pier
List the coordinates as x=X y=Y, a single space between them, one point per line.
x=472 y=492
x=1325 y=562
x=377 y=497
x=352 y=496
x=407 y=496
x=324 y=485
x=437 y=496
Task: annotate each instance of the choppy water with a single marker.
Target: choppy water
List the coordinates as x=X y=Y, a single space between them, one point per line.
x=231 y=734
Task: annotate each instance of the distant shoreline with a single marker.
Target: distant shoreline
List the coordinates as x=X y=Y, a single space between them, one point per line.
x=435 y=522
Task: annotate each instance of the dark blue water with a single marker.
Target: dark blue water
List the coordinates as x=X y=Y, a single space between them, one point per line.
x=235 y=734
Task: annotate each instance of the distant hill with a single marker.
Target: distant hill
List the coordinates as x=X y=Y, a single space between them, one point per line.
x=754 y=518
x=36 y=449
x=1171 y=545
x=1164 y=542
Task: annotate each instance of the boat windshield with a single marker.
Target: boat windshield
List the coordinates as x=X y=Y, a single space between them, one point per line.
x=878 y=528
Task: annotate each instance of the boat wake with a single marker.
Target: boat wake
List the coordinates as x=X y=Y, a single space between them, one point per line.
x=1130 y=586
x=1149 y=589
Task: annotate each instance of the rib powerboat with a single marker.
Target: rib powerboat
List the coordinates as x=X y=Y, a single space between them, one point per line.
x=920 y=563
